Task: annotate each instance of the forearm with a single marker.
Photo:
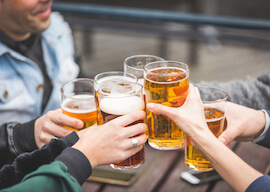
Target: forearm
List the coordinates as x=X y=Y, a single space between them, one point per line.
x=238 y=174
x=28 y=162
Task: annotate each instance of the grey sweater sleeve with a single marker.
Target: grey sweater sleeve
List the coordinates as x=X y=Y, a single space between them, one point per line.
x=254 y=93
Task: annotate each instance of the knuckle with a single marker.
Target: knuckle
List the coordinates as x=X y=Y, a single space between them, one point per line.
x=46 y=126
x=42 y=137
x=144 y=127
x=60 y=119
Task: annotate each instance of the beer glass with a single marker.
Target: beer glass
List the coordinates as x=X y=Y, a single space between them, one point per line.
x=166 y=83
x=134 y=65
x=214 y=109
x=108 y=78
x=78 y=101
x=118 y=99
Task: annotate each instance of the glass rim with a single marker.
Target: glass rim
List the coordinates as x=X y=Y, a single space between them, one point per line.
x=114 y=72
x=217 y=89
x=74 y=80
x=148 y=71
x=134 y=56
x=117 y=97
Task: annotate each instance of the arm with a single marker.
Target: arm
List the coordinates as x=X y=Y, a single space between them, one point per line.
x=18 y=138
x=105 y=144
x=190 y=118
x=254 y=93
x=28 y=162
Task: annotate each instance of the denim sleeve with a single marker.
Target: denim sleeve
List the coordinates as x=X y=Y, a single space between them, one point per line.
x=264 y=138
x=262 y=184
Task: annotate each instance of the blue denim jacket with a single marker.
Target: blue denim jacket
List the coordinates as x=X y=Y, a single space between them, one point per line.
x=21 y=79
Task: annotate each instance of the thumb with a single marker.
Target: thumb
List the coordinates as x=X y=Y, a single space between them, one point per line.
x=159 y=109
x=226 y=137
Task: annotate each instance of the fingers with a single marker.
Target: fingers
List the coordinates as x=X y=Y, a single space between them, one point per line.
x=162 y=110
x=56 y=130
x=141 y=139
x=129 y=118
x=133 y=130
x=59 y=118
x=133 y=151
x=226 y=137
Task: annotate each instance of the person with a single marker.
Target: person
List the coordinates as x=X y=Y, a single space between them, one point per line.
x=250 y=92
x=36 y=58
x=190 y=118
x=64 y=164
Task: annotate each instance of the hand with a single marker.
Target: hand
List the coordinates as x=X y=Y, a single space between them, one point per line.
x=111 y=142
x=51 y=124
x=189 y=117
x=243 y=123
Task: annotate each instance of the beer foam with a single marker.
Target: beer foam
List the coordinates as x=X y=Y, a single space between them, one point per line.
x=121 y=105
x=79 y=104
x=115 y=78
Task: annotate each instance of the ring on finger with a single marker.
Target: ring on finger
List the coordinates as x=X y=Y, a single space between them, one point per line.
x=134 y=142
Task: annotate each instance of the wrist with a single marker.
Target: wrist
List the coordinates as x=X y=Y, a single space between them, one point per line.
x=201 y=138
x=261 y=121
x=84 y=150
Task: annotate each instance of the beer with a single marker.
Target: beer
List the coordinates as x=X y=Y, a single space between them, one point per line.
x=117 y=103
x=167 y=86
x=135 y=64
x=194 y=159
x=108 y=78
x=78 y=101
x=82 y=107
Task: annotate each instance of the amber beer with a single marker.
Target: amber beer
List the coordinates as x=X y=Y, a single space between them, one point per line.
x=108 y=78
x=78 y=101
x=82 y=107
x=194 y=159
x=214 y=110
x=118 y=100
x=166 y=83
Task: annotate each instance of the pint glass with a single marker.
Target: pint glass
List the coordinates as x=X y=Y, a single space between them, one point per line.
x=118 y=99
x=214 y=109
x=166 y=83
x=134 y=65
x=108 y=78
x=78 y=101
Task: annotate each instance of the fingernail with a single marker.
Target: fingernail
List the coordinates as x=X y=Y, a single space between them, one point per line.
x=222 y=140
x=150 y=106
x=79 y=125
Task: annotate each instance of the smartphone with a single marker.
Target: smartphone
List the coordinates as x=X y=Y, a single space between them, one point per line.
x=197 y=177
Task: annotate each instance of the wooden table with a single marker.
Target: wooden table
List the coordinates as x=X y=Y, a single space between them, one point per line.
x=161 y=172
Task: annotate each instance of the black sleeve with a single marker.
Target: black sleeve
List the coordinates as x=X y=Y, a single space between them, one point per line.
x=15 y=139
x=4 y=150
x=77 y=163
x=29 y=162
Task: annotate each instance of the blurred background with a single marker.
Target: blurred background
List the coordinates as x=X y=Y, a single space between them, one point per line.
x=214 y=52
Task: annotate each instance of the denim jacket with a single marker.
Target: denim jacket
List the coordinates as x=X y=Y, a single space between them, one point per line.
x=21 y=80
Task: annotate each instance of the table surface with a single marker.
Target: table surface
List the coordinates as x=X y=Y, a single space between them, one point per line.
x=161 y=172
